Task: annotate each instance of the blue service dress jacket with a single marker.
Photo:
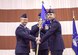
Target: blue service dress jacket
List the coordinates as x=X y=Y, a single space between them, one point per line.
x=22 y=39
x=54 y=35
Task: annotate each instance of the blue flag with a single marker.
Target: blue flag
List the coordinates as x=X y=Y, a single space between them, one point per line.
x=43 y=16
x=43 y=13
x=75 y=38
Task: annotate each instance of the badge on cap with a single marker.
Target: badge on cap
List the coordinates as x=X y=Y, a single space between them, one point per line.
x=51 y=11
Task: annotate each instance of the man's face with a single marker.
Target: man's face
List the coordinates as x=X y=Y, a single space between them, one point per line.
x=40 y=20
x=50 y=16
x=24 y=21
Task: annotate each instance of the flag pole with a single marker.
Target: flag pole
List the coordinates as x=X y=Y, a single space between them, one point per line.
x=38 y=44
x=73 y=15
x=38 y=37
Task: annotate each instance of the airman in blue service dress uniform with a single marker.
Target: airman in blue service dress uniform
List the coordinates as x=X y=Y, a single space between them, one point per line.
x=22 y=37
x=43 y=48
x=54 y=34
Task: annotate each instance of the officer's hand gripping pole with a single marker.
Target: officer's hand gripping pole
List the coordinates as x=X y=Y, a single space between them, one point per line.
x=38 y=44
x=40 y=25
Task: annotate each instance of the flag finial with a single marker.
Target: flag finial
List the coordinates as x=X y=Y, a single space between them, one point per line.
x=42 y=2
x=50 y=7
x=73 y=14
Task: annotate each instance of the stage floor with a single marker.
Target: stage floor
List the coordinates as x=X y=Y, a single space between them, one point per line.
x=67 y=51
